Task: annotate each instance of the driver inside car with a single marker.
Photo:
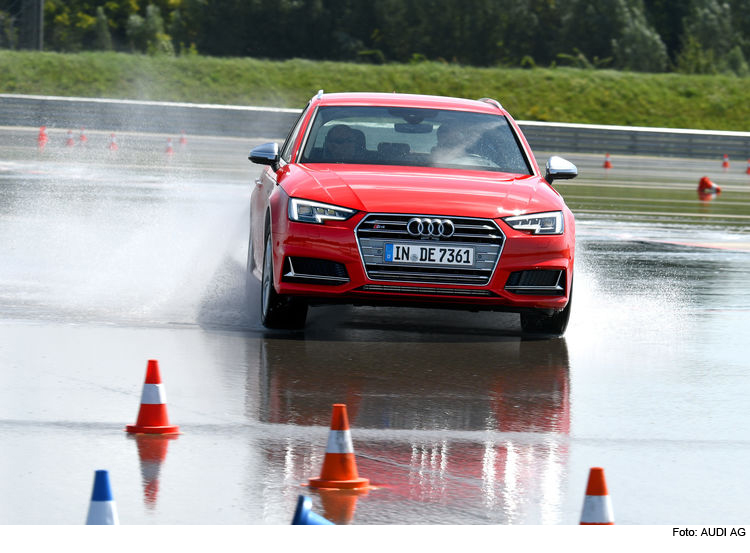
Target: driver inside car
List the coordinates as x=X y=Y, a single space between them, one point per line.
x=451 y=144
x=343 y=143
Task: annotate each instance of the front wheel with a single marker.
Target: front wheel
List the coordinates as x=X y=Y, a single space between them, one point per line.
x=535 y=322
x=276 y=310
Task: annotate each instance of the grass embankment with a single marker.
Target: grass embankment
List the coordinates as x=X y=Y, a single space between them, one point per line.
x=562 y=94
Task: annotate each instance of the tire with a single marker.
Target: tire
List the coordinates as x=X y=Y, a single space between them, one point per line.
x=535 y=322
x=278 y=311
x=250 y=280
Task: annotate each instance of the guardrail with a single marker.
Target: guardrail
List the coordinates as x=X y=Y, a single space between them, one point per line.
x=688 y=143
x=274 y=123
x=150 y=117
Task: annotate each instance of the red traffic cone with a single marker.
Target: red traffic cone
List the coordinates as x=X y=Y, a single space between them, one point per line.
x=152 y=451
x=112 y=143
x=725 y=163
x=339 y=505
x=82 y=140
x=183 y=138
x=69 y=141
x=597 y=507
x=747 y=171
x=169 y=151
x=42 y=139
x=607 y=162
x=152 y=416
x=707 y=190
x=339 y=466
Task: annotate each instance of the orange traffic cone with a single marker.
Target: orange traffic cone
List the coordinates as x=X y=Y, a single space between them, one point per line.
x=69 y=141
x=82 y=140
x=339 y=505
x=607 y=162
x=597 y=508
x=152 y=417
x=725 y=163
x=152 y=451
x=707 y=190
x=339 y=467
x=112 y=143
x=169 y=151
x=183 y=138
x=747 y=171
x=42 y=139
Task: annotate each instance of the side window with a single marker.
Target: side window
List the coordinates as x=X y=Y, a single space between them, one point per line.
x=286 y=150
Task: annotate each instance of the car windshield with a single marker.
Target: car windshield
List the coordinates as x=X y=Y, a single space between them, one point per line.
x=414 y=136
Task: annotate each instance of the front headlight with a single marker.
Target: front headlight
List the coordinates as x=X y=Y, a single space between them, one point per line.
x=550 y=222
x=306 y=211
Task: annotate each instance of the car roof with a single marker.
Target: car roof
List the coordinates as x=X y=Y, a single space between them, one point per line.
x=408 y=100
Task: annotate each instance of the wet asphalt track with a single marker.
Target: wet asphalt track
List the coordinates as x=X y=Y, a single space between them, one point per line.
x=109 y=260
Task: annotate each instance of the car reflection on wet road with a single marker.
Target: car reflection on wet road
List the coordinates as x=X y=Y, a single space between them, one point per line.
x=456 y=418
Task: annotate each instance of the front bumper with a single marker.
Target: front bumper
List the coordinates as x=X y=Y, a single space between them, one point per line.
x=324 y=264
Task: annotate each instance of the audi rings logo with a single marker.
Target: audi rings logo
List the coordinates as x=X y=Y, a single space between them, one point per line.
x=431 y=228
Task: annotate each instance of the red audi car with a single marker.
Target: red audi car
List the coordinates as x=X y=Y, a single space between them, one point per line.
x=410 y=200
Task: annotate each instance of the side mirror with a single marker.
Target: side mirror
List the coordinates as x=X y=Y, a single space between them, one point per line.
x=559 y=168
x=266 y=154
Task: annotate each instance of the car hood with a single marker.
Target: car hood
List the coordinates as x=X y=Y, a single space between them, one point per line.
x=420 y=190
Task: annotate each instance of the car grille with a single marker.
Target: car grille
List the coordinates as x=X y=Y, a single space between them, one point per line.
x=376 y=230
x=411 y=290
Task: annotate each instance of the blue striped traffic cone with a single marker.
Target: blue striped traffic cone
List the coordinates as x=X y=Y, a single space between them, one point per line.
x=303 y=514
x=102 y=509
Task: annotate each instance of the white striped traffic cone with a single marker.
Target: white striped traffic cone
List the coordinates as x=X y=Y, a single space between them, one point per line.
x=152 y=452
x=597 y=508
x=707 y=189
x=339 y=466
x=102 y=509
x=152 y=416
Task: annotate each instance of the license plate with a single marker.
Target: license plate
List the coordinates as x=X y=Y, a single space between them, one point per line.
x=429 y=255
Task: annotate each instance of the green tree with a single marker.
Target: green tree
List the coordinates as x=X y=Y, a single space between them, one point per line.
x=741 y=24
x=529 y=30
x=103 y=36
x=589 y=26
x=639 y=47
x=708 y=37
x=147 y=34
x=136 y=33
x=617 y=32
x=666 y=16
x=8 y=33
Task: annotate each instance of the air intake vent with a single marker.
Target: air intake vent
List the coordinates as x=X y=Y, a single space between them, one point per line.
x=314 y=271
x=540 y=282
